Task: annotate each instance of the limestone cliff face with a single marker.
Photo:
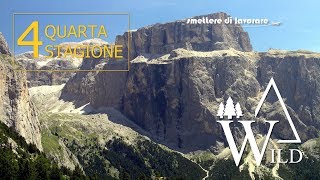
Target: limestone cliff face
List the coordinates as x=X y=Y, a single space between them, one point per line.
x=298 y=76
x=175 y=101
x=175 y=97
x=174 y=94
x=104 y=88
x=152 y=41
x=4 y=48
x=163 y=38
x=16 y=110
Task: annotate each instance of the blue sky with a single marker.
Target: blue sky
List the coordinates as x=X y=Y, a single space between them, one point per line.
x=300 y=29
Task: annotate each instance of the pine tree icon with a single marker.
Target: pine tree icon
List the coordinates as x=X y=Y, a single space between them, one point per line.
x=221 y=110
x=230 y=110
x=238 y=110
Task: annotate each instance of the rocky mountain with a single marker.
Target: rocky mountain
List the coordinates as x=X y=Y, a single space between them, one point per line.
x=163 y=38
x=298 y=75
x=4 y=48
x=121 y=153
x=173 y=93
x=16 y=110
x=154 y=41
x=175 y=97
x=48 y=71
x=104 y=139
x=109 y=123
x=56 y=70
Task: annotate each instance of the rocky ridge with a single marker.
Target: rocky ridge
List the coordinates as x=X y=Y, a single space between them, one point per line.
x=55 y=70
x=163 y=38
x=4 y=48
x=16 y=110
x=174 y=93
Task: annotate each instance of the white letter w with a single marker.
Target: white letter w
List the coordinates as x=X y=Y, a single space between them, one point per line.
x=249 y=136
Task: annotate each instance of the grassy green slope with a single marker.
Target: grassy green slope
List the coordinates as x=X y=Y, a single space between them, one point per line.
x=109 y=150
